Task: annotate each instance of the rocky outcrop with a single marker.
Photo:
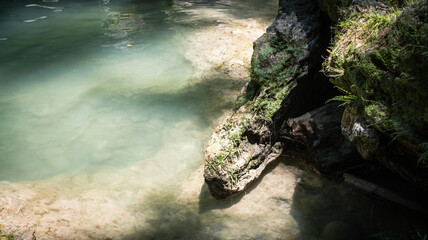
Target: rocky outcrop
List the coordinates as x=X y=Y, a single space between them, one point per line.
x=378 y=66
x=285 y=83
x=380 y=62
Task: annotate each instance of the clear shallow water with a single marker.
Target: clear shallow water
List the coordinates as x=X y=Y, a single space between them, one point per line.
x=105 y=109
x=97 y=83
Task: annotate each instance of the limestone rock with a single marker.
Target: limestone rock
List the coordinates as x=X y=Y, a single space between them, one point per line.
x=285 y=83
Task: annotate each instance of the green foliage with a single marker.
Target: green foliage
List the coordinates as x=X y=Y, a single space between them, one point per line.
x=423 y=158
x=234 y=131
x=210 y=165
x=272 y=77
x=382 y=236
x=422 y=236
x=235 y=138
x=399 y=134
x=347 y=98
x=264 y=107
x=378 y=114
x=233 y=176
x=5 y=237
x=411 y=234
x=383 y=58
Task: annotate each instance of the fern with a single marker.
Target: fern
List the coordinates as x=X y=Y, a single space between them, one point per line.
x=346 y=99
x=424 y=156
x=398 y=134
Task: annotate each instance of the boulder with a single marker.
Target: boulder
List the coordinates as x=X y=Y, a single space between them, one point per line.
x=382 y=77
x=285 y=83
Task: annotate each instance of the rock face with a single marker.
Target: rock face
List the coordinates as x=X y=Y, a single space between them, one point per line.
x=285 y=83
x=379 y=67
x=381 y=70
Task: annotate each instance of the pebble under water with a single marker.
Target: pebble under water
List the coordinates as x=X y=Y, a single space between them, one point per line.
x=106 y=107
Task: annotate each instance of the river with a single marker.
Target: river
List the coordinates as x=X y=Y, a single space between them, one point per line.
x=106 y=107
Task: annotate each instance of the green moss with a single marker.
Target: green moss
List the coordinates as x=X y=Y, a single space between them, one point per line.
x=5 y=237
x=272 y=69
x=381 y=58
x=233 y=130
x=387 y=70
x=379 y=115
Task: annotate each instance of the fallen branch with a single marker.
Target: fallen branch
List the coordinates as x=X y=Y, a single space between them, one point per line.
x=382 y=193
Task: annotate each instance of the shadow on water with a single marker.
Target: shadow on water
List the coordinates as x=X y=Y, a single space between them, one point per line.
x=204 y=99
x=171 y=219
x=330 y=210
x=208 y=203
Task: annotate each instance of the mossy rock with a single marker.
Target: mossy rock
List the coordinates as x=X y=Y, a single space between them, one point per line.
x=382 y=59
x=379 y=60
x=283 y=67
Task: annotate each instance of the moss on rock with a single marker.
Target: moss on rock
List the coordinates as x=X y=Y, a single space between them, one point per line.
x=380 y=56
x=283 y=67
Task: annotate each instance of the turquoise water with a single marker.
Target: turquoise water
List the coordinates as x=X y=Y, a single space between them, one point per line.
x=86 y=84
x=106 y=107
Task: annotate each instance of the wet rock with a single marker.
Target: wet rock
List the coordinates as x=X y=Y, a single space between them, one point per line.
x=285 y=83
x=229 y=167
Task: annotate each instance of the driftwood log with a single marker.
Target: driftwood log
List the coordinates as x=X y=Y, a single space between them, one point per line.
x=382 y=193
x=318 y=133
